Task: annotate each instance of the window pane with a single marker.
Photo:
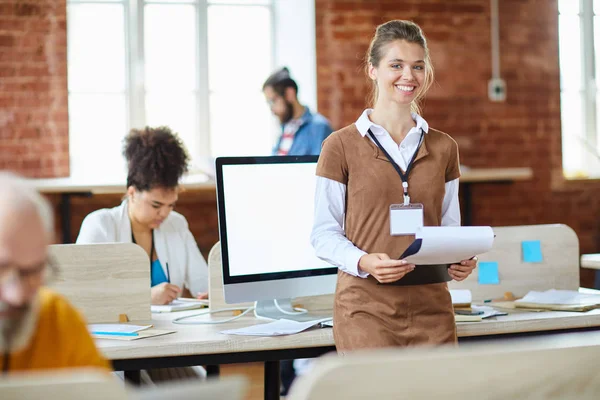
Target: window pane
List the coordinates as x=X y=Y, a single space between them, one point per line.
x=570 y=52
x=96 y=1
x=243 y=128
x=570 y=7
x=239 y=47
x=96 y=47
x=241 y=2
x=97 y=125
x=172 y=1
x=572 y=132
x=240 y=59
x=178 y=111
x=170 y=47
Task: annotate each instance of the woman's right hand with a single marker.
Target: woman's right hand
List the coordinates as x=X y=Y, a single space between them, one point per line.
x=383 y=268
x=164 y=293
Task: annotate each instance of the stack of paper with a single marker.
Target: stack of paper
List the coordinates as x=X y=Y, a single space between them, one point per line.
x=559 y=300
x=461 y=298
x=124 y=331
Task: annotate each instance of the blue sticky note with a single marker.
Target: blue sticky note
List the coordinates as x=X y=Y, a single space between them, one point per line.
x=532 y=251
x=488 y=273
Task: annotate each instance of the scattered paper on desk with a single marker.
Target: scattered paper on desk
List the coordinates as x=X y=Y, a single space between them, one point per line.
x=120 y=328
x=461 y=296
x=487 y=273
x=179 y=305
x=560 y=297
x=436 y=245
x=275 y=328
x=488 y=311
x=532 y=251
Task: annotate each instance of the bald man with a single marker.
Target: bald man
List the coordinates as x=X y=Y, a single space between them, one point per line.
x=39 y=329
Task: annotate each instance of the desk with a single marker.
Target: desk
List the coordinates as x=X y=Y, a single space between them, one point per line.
x=69 y=187
x=471 y=176
x=203 y=344
x=591 y=261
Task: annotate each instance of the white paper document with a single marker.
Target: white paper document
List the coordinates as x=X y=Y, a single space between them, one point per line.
x=560 y=297
x=436 y=245
x=275 y=328
x=117 y=328
x=461 y=296
x=180 y=304
x=488 y=311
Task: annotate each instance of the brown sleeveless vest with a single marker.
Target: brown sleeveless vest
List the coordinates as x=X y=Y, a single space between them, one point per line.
x=367 y=314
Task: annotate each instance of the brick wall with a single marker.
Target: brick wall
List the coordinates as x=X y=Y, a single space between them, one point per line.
x=34 y=138
x=524 y=131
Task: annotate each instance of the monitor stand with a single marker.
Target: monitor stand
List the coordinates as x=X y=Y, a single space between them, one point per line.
x=283 y=309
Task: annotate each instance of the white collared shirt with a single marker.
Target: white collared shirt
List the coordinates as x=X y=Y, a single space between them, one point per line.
x=328 y=236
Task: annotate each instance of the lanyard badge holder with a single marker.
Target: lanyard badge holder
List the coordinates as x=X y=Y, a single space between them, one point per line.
x=405 y=218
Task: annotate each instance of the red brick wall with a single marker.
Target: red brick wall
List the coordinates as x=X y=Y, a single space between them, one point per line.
x=34 y=136
x=524 y=131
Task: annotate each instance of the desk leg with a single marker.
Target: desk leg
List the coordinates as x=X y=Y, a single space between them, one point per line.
x=467 y=204
x=272 y=382
x=65 y=217
x=213 y=371
x=133 y=377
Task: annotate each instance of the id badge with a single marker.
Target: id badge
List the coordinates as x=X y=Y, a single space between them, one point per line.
x=405 y=219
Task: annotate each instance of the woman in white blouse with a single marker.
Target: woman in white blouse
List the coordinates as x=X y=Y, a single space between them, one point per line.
x=156 y=160
x=389 y=159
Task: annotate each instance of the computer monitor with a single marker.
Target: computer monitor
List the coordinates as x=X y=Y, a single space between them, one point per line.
x=266 y=207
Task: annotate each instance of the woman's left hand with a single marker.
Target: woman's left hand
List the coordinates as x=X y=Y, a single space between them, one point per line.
x=202 y=296
x=459 y=272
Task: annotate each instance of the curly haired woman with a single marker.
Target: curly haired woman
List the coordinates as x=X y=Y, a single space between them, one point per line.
x=156 y=160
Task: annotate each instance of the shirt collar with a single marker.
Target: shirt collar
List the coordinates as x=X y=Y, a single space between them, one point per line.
x=363 y=124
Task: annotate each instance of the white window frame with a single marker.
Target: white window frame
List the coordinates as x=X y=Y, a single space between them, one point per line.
x=285 y=22
x=590 y=151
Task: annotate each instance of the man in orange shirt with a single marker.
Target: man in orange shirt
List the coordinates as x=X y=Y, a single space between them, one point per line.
x=39 y=329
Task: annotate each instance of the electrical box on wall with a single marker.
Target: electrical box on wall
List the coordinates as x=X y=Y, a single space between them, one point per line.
x=497 y=89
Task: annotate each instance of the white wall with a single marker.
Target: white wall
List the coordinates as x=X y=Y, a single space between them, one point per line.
x=295 y=45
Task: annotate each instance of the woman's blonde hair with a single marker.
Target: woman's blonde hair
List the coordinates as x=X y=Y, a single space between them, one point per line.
x=390 y=32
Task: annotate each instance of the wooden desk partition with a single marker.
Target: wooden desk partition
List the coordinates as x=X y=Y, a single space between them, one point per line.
x=104 y=280
x=65 y=384
x=521 y=370
x=559 y=269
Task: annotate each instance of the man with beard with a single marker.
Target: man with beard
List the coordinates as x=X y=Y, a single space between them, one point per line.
x=302 y=132
x=39 y=329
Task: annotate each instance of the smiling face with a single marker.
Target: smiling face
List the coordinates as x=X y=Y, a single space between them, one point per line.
x=401 y=73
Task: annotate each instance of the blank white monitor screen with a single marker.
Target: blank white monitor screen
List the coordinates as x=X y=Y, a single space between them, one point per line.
x=266 y=217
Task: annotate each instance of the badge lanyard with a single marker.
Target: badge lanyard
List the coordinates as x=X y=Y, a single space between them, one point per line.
x=403 y=176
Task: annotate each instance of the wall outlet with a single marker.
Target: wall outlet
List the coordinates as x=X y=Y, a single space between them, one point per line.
x=497 y=89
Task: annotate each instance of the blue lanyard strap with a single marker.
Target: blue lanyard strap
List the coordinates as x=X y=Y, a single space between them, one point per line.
x=403 y=175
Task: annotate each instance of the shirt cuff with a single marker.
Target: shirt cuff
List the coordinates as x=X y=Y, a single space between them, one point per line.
x=352 y=258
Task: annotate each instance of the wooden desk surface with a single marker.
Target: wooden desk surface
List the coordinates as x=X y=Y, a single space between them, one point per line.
x=79 y=185
x=206 y=339
x=203 y=182
x=591 y=261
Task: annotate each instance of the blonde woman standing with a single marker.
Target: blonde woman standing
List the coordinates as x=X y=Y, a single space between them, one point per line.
x=389 y=158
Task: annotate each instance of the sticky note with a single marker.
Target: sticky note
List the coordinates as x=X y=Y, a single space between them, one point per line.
x=532 y=251
x=488 y=273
